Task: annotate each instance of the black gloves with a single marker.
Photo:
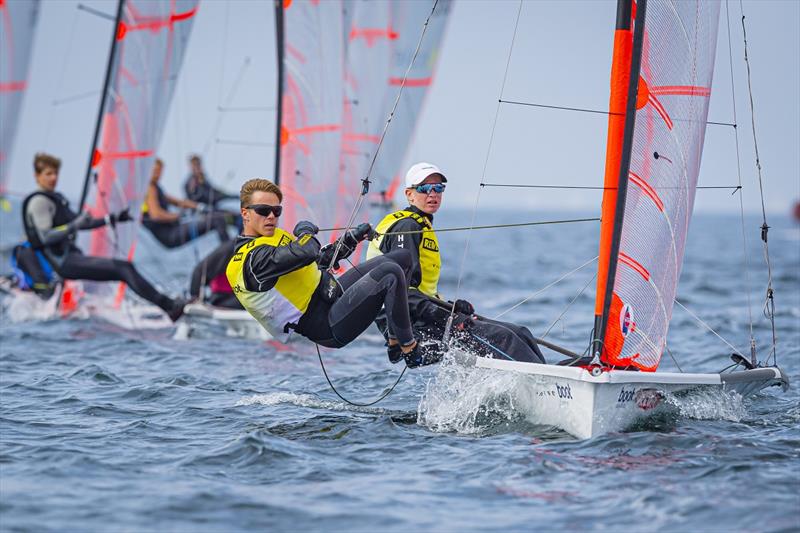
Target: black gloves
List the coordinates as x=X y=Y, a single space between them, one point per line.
x=349 y=242
x=304 y=227
x=463 y=306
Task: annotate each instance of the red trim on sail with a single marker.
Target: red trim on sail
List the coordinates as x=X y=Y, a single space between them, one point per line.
x=371 y=35
x=153 y=23
x=681 y=90
x=620 y=72
x=660 y=109
x=412 y=82
x=628 y=260
x=12 y=86
x=133 y=154
x=647 y=189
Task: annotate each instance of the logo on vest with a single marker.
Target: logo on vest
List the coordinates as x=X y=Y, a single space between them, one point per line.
x=430 y=244
x=285 y=240
x=238 y=256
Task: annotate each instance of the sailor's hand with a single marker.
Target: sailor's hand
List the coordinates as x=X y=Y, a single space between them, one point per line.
x=123 y=216
x=304 y=227
x=325 y=256
x=463 y=306
x=462 y=321
x=363 y=231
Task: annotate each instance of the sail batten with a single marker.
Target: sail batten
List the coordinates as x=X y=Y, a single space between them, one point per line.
x=642 y=266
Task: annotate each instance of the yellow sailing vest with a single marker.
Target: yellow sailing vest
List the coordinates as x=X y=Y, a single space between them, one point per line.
x=430 y=262
x=287 y=300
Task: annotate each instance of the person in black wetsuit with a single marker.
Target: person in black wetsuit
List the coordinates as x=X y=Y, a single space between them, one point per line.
x=50 y=226
x=210 y=272
x=199 y=189
x=276 y=275
x=412 y=229
x=167 y=226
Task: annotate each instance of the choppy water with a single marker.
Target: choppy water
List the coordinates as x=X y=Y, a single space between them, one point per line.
x=103 y=428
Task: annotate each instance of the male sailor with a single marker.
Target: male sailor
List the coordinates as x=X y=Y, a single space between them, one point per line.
x=283 y=280
x=50 y=226
x=199 y=189
x=167 y=226
x=412 y=229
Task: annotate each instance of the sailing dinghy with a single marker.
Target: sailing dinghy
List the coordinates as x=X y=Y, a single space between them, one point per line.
x=660 y=88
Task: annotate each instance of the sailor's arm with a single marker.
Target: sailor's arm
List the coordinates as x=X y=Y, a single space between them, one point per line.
x=265 y=264
x=406 y=233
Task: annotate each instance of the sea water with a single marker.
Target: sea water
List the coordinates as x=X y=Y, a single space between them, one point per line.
x=104 y=427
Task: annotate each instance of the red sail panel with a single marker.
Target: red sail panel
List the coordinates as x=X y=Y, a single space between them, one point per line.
x=17 y=27
x=152 y=37
x=312 y=111
x=674 y=87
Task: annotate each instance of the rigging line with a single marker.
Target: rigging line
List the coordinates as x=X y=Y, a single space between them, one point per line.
x=601 y=112
x=709 y=328
x=769 y=303
x=60 y=84
x=96 y=12
x=74 y=98
x=666 y=347
x=449 y=324
x=357 y=404
x=569 y=305
x=229 y=98
x=242 y=143
x=753 y=358
x=595 y=188
x=515 y=225
x=365 y=181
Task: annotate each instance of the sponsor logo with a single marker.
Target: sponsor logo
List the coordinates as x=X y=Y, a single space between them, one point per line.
x=251 y=243
x=238 y=256
x=285 y=239
x=398 y=214
x=429 y=244
x=626 y=323
x=564 y=391
x=626 y=395
x=304 y=239
x=648 y=399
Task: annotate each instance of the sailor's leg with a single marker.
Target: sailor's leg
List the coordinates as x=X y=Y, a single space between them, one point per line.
x=383 y=284
x=502 y=340
x=29 y=263
x=79 y=266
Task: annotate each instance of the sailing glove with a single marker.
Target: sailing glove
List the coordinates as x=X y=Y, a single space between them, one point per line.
x=356 y=235
x=463 y=306
x=304 y=227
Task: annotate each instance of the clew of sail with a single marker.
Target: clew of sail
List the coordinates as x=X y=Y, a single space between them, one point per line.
x=150 y=41
x=310 y=132
x=647 y=206
x=17 y=27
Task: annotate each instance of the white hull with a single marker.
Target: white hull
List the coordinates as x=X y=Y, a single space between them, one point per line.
x=201 y=319
x=587 y=406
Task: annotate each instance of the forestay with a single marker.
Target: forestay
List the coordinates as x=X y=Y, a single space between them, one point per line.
x=657 y=192
x=17 y=27
x=151 y=39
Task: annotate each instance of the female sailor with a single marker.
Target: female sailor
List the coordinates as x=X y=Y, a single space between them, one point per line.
x=412 y=229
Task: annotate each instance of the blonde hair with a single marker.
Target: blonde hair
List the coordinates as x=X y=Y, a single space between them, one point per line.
x=255 y=185
x=42 y=160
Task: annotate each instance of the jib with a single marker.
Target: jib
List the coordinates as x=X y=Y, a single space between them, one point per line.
x=626 y=396
x=564 y=391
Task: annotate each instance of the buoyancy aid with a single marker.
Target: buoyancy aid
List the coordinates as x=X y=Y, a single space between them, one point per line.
x=63 y=216
x=287 y=300
x=430 y=262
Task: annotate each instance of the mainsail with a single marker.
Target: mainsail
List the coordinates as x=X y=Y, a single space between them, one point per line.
x=17 y=26
x=310 y=131
x=149 y=44
x=664 y=58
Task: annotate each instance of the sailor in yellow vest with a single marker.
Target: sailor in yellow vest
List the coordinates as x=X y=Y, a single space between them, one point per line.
x=277 y=277
x=412 y=229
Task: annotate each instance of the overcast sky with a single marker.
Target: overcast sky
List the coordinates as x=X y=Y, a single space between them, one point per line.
x=561 y=56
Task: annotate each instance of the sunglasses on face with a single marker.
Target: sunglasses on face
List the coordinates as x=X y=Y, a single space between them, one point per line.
x=264 y=210
x=428 y=187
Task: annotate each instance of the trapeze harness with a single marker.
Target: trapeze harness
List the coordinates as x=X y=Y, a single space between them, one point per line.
x=430 y=262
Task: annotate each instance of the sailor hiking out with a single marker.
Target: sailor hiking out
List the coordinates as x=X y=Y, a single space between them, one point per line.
x=281 y=280
x=412 y=229
x=51 y=226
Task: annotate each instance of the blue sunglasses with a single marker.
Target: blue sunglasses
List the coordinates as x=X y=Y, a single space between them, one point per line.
x=428 y=187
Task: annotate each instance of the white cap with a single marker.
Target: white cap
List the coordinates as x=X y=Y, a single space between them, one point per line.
x=417 y=174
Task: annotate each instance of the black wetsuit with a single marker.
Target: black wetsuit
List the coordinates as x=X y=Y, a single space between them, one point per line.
x=198 y=189
x=50 y=226
x=212 y=266
x=334 y=317
x=479 y=335
x=174 y=234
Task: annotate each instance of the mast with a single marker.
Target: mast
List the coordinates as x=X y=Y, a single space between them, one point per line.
x=279 y=47
x=622 y=106
x=100 y=112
